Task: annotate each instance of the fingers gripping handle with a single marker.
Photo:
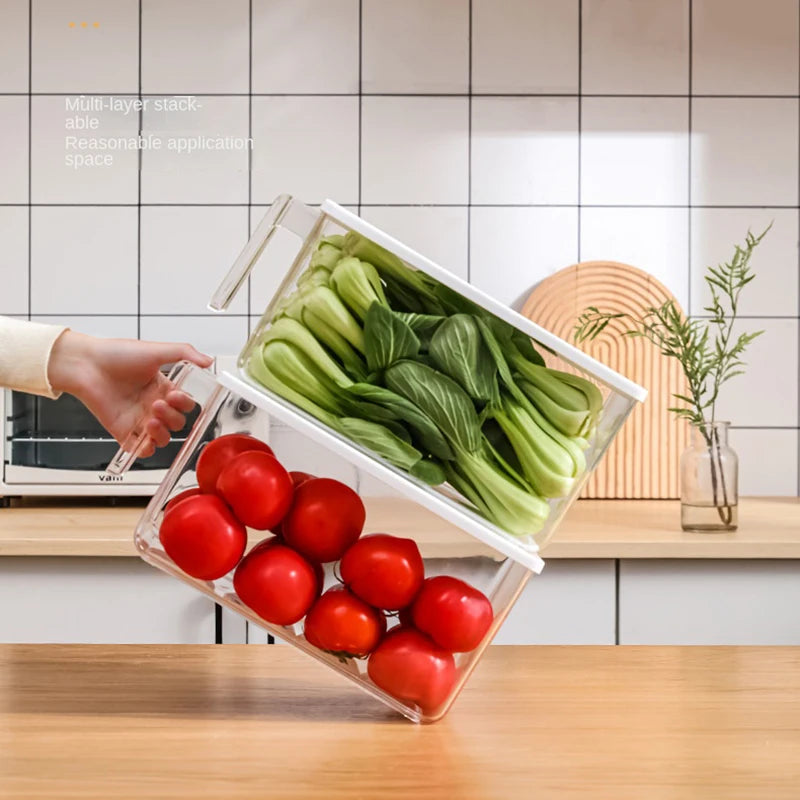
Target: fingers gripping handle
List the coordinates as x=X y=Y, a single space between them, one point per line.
x=185 y=377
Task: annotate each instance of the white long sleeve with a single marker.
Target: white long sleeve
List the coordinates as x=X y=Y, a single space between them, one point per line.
x=25 y=354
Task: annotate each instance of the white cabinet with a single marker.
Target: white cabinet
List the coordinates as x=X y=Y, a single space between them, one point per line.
x=99 y=600
x=571 y=602
x=709 y=602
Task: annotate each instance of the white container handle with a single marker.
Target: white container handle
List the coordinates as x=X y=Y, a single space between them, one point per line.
x=184 y=376
x=285 y=212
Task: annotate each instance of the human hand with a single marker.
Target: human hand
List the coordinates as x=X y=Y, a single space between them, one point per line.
x=120 y=382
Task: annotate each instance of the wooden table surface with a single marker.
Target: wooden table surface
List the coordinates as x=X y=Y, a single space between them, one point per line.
x=769 y=527
x=244 y=721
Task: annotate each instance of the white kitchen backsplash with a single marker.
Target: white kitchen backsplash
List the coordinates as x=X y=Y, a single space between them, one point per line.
x=505 y=139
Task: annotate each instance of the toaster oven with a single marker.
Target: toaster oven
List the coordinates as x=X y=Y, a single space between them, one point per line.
x=57 y=448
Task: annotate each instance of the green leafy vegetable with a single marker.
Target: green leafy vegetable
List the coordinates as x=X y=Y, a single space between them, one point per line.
x=358 y=284
x=459 y=351
x=381 y=440
x=430 y=472
x=387 y=338
x=440 y=398
x=430 y=437
x=326 y=256
x=424 y=325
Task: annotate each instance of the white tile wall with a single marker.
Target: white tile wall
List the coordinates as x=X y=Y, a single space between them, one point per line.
x=305 y=46
x=505 y=146
x=512 y=249
x=744 y=151
x=757 y=448
x=83 y=260
x=103 y=56
x=774 y=292
x=430 y=133
x=634 y=151
x=631 y=47
x=190 y=47
x=185 y=253
x=653 y=239
x=14 y=46
x=185 y=172
x=525 y=150
x=767 y=394
x=525 y=46
x=437 y=61
x=307 y=146
x=743 y=47
x=13 y=259
x=14 y=153
x=55 y=180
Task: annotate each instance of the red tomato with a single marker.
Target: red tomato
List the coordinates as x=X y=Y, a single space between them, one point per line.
x=181 y=496
x=413 y=669
x=384 y=571
x=319 y=570
x=276 y=582
x=300 y=477
x=341 y=623
x=326 y=517
x=453 y=613
x=218 y=453
x=257 y=488
x=202 y=537
x=297 y=479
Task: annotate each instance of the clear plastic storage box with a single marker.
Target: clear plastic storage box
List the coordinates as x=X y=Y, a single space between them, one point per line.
x=479 y=502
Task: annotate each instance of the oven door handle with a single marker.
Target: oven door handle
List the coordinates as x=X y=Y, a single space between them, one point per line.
x=197 y=383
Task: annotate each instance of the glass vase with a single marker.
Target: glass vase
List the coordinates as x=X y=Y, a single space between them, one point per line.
x=709 y=480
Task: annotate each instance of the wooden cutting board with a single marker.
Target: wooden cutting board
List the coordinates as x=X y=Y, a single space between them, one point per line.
x=643 y=461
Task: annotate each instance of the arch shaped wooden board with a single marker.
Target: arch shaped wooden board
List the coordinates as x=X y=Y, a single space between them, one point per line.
x=643 y=460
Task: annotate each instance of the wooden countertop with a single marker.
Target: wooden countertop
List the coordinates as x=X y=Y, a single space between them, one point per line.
x=768 y=528
x=240 y=721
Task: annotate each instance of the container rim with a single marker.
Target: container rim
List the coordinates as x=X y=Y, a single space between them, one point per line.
x=574 y=356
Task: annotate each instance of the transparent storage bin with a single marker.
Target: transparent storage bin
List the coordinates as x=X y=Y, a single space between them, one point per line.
x=445 y=549
x=454 y=537
x=295 y=230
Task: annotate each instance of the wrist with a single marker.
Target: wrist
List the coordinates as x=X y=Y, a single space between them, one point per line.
x=68 y=362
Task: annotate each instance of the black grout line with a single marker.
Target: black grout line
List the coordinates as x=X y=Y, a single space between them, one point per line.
x=146 y=315
x=748 y=316
x=765 y=427
x=469 y=143
x=580 y=120
x=678 y=206
x=689 y=170
x=139 y=198
x=244 y=95
x=30 y=158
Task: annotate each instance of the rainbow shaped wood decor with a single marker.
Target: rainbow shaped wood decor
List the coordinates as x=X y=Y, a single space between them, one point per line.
x=643 y=460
